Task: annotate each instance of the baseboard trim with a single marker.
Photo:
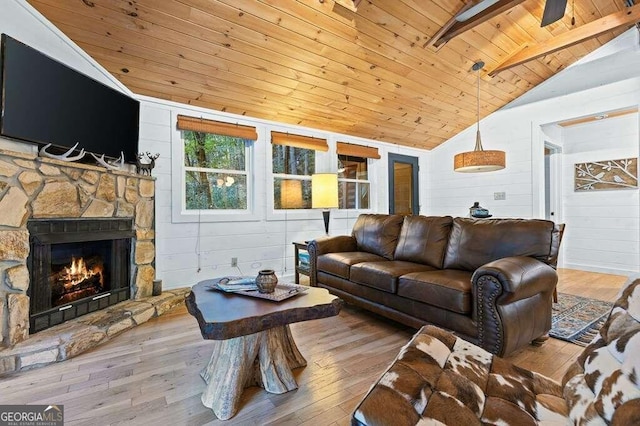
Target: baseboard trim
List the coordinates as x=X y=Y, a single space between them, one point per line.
x=600 y=269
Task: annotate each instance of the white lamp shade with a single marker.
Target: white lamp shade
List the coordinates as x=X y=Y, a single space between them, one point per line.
x=324 y=190
x=291 y=194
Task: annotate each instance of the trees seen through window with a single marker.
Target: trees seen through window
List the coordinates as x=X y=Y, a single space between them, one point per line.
x=216 y=170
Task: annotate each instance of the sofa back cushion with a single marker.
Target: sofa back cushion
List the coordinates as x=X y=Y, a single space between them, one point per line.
x=377 y=233
x=475 y=242
x=602 y=387
x=423 y=239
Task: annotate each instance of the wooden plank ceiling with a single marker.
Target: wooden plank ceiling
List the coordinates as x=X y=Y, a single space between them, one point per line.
x=312 y=63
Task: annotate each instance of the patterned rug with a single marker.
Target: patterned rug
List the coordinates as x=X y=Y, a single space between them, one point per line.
x=577 y=319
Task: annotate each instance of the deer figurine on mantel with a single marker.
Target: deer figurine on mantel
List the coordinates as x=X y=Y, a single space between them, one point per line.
x=145 y=167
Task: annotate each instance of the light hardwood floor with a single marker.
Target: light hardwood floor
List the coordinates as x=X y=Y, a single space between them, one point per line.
x=150 y=375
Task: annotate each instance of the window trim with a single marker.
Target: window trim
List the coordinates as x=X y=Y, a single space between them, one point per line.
x=179 y=213
x=287 y=176
x=357 y=181
x=323 y=155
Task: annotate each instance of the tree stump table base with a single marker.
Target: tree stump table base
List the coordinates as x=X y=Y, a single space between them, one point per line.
x=262 y=359
x=253 y=345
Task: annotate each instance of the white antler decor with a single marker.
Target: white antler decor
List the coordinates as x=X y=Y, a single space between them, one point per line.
x=62 y=157
x=114 y=166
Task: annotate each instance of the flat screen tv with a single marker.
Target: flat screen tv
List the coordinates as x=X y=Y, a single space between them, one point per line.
x=44 y=101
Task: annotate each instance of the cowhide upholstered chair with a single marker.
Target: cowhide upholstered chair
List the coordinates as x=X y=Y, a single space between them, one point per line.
x=440 y=379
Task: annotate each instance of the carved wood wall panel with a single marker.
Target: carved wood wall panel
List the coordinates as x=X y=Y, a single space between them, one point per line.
x=607 y=174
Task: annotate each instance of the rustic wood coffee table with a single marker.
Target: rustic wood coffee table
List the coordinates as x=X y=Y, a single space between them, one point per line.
x=253 y=342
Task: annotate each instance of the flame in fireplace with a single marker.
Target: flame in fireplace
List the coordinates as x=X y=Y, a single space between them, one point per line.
x=78 y=271
x=77 y=278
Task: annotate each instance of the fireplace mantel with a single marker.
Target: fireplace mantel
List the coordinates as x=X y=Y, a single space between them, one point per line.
x=32 y=187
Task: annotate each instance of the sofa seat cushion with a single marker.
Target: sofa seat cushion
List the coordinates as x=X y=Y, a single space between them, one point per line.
x=384 y=275
x=448 y=289
x=438 y=378
x=339 y=264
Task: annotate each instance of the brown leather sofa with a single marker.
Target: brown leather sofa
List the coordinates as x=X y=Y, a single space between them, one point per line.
x=489 y=280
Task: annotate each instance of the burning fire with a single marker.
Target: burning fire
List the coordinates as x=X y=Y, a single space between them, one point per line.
x=78 y=272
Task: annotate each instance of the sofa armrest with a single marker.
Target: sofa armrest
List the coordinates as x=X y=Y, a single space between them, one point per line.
x=512 y=302
x=520 y=276
x=324 y=245
x=333 y=244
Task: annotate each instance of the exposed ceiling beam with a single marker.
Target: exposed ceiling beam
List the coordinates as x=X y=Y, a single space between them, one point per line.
x=593 y=29
x=596 y=117
x=346 y=8
x=454 y=27
x=352 y=5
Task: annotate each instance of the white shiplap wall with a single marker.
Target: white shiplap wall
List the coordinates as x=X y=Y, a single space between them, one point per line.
x=181 y=247
x=519 y=129
x=578 y=91
x=265 y=242
x=518 y=132
x=190 y=252
x=603 y=227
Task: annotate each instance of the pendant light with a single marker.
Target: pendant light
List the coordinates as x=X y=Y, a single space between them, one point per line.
x=478 y=160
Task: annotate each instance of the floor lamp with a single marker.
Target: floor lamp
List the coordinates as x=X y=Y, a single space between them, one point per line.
x=324 y=194
x=290 y=198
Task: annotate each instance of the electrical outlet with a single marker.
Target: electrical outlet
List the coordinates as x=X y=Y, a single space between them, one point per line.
x=234 y=262
x=499 y=195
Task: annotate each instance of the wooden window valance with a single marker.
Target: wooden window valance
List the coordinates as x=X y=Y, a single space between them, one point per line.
x=298 y=141
x=196 y=124
x=354 y=150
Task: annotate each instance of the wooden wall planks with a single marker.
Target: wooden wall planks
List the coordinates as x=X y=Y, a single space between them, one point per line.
x=301 y=63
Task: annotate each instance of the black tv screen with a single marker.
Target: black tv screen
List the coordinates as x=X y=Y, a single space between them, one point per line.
x=44 y=101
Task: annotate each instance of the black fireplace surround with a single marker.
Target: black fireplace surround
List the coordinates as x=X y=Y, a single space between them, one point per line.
x=77 y=266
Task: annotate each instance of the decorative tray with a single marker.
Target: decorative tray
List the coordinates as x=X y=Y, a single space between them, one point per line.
x=283 y=291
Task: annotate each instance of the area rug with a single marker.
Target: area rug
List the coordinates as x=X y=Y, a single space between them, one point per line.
x=577 y=319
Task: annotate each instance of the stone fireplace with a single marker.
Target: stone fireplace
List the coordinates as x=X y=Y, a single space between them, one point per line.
x=76 y=266
x=51 y=214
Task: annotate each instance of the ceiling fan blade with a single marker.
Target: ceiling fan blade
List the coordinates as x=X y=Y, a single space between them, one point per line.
x=472 y=11
x=553 y=11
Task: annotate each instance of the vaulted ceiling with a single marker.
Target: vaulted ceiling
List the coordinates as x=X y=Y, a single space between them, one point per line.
x=370 y=73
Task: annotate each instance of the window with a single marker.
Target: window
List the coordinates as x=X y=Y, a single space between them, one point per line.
x=216 y=172
x=294 y=161
x=292 y=170
x=354 y=187
x=353 y=182
x=216 y=164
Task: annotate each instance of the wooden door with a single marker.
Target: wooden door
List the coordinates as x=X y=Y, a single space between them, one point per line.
x=403 y=185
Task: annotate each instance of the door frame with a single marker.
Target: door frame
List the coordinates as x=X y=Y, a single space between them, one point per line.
x=555 y=181
x=415 y=168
